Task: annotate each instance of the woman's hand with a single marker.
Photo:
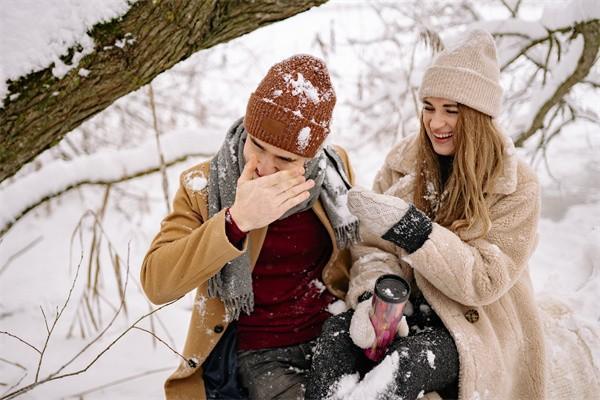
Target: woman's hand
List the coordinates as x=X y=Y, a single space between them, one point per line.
x=390 y=217
x=362 y=331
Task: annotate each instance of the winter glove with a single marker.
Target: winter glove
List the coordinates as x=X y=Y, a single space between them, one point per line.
x=361 y=328
x=390 y=217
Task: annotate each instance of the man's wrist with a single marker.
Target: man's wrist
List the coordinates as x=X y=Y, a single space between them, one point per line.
x=238 y=219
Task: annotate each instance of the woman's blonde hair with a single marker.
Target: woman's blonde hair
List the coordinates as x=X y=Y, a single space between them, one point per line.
x=478 y=160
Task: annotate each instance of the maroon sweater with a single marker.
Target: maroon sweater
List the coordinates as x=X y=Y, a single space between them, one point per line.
x=290 y=300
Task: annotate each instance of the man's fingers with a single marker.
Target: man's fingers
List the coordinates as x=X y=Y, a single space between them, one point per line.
x=298 y=188
x=287 y=184
x=293 y=202
x=249 y=168
x=282 y=176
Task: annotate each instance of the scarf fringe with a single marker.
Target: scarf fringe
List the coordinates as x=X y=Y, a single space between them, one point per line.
x=348 y=234
x=236 y=305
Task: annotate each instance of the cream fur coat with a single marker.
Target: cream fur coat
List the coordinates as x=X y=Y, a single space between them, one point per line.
x=480 y=287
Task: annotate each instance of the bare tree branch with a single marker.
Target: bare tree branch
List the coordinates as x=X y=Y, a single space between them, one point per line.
x=157 y=34
x=6 y=227
x=591 y=43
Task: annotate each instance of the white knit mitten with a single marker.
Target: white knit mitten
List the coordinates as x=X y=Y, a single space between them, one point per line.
x=376 y=212
x=361 y=328
x=403 y=327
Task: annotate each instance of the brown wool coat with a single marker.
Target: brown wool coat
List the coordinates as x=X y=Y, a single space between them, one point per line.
x=189 y=249
x=480 y=288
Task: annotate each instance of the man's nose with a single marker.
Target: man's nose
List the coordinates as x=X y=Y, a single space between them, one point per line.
x=266 y=166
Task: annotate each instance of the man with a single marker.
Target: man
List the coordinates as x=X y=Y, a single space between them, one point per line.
x=260 y=231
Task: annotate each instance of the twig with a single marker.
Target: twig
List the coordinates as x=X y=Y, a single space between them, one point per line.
x=162 y=341
x=57 y=317
x=19 y=253
x=45 y=320
x=16 y=383
x=21 y=340
x=163 y=170
x=53 y=377
x=16 y=364
x=57 y=374
x=119 y=381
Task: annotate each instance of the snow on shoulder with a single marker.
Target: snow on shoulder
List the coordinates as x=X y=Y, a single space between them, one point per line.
x=195 y=181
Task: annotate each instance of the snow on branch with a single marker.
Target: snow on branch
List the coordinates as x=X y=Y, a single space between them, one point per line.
x=109 y=166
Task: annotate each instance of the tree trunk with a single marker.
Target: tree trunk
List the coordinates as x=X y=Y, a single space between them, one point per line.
x=154 y=35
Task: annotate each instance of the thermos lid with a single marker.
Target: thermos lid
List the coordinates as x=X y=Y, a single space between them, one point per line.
x=392 y=288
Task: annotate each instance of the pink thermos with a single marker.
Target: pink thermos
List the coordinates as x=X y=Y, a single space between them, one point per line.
x=391 y=294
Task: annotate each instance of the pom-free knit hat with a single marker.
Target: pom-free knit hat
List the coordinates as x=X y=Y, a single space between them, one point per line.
x=467 y=73
x=291 y=107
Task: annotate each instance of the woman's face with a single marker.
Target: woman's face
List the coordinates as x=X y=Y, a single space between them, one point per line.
x=439 y=117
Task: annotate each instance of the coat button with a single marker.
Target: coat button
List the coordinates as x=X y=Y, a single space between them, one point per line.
x=472 y=315
x=218 y=328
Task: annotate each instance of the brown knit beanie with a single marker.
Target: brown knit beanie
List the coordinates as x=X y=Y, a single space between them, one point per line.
x=291 y=107
x=467 y=73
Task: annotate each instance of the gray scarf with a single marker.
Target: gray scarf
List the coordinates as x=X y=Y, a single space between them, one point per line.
x=233 y=284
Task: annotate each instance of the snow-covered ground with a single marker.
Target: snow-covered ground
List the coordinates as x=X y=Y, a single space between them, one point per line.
x=566 y=262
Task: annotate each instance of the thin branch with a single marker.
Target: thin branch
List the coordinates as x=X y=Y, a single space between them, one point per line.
x=16 y=364
x=20 y=253
x=53 y=377
x=163 y=170
x=21 y=340
x=119 y=381
x=58 y=315
x=17 y=383
x=162 y=341
x=45 y=320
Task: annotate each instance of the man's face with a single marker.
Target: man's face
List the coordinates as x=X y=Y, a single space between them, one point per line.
x=270 y=158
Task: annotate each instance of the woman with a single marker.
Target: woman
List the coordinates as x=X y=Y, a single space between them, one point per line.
x=455 y=213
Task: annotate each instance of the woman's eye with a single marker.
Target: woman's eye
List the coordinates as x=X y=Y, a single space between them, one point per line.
x=428 y=109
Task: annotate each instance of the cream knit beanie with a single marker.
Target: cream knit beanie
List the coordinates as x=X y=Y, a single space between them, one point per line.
x=467 y=73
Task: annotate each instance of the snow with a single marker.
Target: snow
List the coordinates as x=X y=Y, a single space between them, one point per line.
x=337 y=307
x=110 y=165
x=320 y=286
x=431 y=359
x=376 y=382
x=564 y=265
x=302 y=88
x=32 y=44
x=195 y=182
x=303 y=138
x=557 y=16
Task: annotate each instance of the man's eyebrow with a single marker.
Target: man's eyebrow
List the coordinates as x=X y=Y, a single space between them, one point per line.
x=262 y=148
x=254 y=142
x=286 y=158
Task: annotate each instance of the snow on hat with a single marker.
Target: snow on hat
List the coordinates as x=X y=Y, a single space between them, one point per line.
x=291 y=107
x=467 y=73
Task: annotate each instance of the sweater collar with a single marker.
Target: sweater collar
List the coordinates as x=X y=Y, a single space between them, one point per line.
x=403 y=158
